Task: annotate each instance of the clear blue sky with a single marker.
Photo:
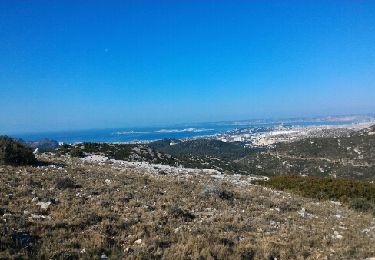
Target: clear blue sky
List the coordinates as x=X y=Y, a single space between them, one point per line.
x=99 y=64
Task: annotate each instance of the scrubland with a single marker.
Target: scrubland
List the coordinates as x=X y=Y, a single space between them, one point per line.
x=67 y=208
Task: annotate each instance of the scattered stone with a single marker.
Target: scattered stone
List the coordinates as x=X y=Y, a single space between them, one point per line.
x=337 y=203
x=107 y=181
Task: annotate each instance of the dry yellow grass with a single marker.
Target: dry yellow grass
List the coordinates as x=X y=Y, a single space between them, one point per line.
x=126 y=213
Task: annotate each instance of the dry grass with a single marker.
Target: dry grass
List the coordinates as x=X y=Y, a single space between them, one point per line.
x=125 y=213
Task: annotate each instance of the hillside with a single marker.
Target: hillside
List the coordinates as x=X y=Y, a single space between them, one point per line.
x=351 y=156
x=202 y=147
x=93 y=208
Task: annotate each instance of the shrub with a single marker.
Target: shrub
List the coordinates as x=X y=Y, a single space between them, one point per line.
x=177 y=212
x=15 y=153
x=219 y=192
x=359 y=195
x=361 y=204
x=66 y=183
x=77 y=152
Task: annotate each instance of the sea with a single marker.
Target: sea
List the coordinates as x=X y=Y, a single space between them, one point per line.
x=182 y=131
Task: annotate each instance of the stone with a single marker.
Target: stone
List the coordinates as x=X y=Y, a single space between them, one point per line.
x=44 y=205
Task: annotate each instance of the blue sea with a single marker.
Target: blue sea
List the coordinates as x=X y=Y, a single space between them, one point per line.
x=178 y=131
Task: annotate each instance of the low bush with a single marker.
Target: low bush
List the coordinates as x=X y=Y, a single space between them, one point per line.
x=66 y=183
x=77 y=152
x=177 y=212
x=361 y=204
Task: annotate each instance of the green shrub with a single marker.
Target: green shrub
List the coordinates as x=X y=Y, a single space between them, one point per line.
x=15 y=153
x=360 y=195
x=77 y=152
x=361 y=204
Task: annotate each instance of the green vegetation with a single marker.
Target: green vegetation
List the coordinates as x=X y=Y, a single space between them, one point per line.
x=206 y=154
x=358 y=194
x=15 y=153
x=351 y=157
x=202 y=147
x=125 y=152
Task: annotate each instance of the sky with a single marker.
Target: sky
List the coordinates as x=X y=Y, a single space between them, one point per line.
x=68 y=65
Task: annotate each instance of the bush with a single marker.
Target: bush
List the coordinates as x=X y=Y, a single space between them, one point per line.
x=219 y=192
x=15 y=153
x=361 y=204
x=77 y=152
x=66 y=183
x=177 y=212
x=360 y=195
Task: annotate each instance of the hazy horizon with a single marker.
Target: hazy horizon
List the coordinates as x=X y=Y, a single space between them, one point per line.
x=73 y=66
x=336 y=118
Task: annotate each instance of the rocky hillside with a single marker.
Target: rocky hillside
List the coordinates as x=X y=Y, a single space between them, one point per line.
x=351 y=156
x=95 y=208
x=202 y=147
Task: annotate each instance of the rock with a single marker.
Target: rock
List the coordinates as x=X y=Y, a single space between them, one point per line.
x=337 y=235
x=43 y=217
x=138 y=241
x=107 y=181
x=44 y=205
x=83 y=251
x=103 y=256
x=302 y=213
